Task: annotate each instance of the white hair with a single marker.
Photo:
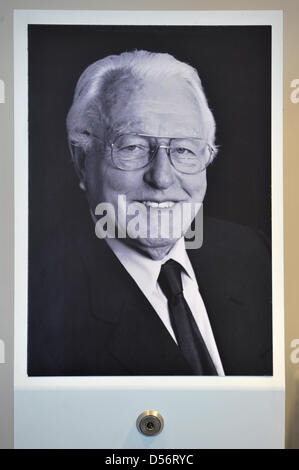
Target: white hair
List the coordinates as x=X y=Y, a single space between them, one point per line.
x=87 y=110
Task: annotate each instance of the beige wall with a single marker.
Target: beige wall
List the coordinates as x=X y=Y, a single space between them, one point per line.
x=291 y=174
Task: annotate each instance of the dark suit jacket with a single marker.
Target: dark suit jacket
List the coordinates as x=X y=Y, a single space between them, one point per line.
x=87 y=316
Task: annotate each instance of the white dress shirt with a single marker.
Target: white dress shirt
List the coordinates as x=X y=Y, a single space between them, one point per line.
x=145 y=273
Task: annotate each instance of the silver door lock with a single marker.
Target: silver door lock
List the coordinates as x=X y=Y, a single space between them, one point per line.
x=150 y=423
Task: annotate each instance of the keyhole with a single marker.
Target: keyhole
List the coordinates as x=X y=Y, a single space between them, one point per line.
x=150 y=423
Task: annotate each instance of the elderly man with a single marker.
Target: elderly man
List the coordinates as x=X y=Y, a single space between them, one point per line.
x=141 y=136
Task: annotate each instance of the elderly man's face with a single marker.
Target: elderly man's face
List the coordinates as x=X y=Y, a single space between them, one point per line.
x=160 y=109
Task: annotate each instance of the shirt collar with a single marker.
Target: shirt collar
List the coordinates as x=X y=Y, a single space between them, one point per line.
x=144 y=270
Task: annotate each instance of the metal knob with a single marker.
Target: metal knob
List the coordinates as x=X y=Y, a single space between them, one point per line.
x=150 y=423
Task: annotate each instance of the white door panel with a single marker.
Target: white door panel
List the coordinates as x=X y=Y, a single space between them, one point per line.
x=193 y=419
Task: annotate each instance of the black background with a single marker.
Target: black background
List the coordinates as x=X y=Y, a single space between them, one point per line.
x=234 y=63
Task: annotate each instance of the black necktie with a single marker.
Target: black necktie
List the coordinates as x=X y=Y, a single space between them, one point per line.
x=184 y=326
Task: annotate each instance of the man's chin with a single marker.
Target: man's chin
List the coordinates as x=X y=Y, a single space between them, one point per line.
x=156 y=249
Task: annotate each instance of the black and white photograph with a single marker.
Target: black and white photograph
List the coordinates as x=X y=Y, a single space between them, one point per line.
x=149 y=200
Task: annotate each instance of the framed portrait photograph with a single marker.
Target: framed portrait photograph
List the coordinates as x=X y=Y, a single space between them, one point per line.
x=148 y=246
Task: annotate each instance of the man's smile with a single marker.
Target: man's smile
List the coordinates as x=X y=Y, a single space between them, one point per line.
x=161 y=205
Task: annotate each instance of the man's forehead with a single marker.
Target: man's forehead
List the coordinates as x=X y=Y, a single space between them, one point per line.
x=154 y=90
x=161 y=108
x=164 y=105
x=164 y=124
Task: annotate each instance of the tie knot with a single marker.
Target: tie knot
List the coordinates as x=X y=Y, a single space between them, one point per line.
x=170 y=279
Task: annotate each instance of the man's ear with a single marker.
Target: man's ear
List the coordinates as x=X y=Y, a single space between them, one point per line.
x=79 y=159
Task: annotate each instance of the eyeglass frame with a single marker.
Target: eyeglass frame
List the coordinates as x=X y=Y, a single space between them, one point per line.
x=212 y=150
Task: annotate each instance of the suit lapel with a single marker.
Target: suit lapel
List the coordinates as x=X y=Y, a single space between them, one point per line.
x=225 y=305
x=142 y=343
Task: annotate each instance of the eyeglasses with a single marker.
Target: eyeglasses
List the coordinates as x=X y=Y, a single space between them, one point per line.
x=130 y=152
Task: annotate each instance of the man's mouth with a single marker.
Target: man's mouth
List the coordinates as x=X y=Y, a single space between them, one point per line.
x=159 y=205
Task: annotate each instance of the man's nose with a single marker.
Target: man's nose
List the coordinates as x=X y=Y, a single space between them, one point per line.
x=160 y=174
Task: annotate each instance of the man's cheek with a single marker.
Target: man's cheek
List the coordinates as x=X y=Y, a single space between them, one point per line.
x=120 y=182
x=197 y=193
x=198 y=189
